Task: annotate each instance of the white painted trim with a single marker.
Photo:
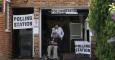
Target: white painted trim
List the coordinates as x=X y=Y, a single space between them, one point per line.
x=40 y=34
x=33 y=44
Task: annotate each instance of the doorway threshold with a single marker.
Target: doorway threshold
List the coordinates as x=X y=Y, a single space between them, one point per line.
x=22 y=59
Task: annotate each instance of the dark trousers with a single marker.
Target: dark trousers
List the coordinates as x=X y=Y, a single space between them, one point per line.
x=60 y=49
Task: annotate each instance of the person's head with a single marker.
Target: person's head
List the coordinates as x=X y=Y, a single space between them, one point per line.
x=56 y=26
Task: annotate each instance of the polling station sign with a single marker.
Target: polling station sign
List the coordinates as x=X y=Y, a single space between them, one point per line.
x=82 y=47
x=22 y=21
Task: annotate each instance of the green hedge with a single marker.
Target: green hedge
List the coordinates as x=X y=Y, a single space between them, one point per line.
x=100 y=22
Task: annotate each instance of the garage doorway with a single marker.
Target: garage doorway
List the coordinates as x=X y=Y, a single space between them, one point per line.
x=22 y=38
x=49 y=20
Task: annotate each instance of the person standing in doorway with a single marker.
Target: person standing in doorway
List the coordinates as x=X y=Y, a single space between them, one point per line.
x=57 y=36
x=58 y=30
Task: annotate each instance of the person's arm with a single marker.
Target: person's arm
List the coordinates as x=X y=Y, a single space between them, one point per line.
x=52 y=32
x=62 y=33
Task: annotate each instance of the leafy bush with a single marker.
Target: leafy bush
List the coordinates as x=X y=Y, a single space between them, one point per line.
x=100 y=22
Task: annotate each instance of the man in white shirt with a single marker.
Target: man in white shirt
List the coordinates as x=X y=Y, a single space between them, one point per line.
x=57 y=35
x=59 y=31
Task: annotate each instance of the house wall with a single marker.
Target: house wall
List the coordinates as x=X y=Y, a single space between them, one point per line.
x=5 y=37
x=5 y=40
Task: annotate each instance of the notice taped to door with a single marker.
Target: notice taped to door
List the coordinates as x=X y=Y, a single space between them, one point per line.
x=82 y=47
x=22 y=21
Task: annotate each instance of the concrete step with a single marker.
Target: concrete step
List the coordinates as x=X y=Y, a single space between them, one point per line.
x=76 y=57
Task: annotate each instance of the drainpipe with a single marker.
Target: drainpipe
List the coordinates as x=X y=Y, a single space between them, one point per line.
x=4 y=6
x=6 y=12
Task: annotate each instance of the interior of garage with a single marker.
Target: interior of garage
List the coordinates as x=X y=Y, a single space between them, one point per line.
x=64 y=20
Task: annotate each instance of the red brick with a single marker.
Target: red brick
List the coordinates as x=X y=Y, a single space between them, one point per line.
x=5 y=38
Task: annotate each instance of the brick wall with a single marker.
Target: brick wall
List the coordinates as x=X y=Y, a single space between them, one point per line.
x=55 y=3
x=36 y=4
x=63 y=2
x=5 y=39
x=36 y=36
x=5 y=45
x=51 y=2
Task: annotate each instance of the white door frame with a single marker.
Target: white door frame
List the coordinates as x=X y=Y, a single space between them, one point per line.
x=40 y=36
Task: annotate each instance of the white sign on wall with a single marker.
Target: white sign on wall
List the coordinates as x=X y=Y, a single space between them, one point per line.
x=82 y=47
x=36 y=26
x=64 y=11
x=22 y=21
